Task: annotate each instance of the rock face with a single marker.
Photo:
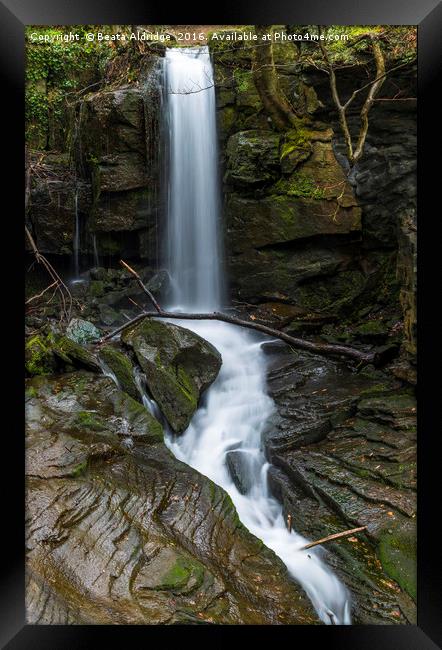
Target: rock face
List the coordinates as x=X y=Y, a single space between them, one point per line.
x=179 y=365
x=290 y=204
x=117 y=148
x=343 y=448
x=120 y=532
x=57 y=199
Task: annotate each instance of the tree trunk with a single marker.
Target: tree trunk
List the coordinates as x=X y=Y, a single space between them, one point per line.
x=274 y=101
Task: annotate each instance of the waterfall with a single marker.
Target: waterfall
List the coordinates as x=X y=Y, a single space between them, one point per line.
x=193 y=237
x=236 y=407
x=76 y=244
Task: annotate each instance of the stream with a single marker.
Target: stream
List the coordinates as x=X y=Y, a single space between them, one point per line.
x=236 y=407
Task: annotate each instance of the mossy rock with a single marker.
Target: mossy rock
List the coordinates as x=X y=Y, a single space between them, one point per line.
x=179 y=365
x=372 y=330
x=397 y=552
x=252 y=158
x=39 y=359
x=122 y=368
x=73 y=353
x=295 y=148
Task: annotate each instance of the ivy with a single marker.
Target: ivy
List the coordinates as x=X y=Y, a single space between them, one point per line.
x=54 y=71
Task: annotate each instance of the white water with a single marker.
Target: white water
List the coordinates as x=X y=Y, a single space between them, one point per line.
x=76 y=237
x=193 y=198
x=236 y=407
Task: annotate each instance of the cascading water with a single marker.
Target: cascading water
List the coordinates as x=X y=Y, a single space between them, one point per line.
x=193 y=198
x=76 y=244
x=236 y=407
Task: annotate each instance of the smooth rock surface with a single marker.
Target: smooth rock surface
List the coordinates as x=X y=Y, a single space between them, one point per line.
x=120 y=532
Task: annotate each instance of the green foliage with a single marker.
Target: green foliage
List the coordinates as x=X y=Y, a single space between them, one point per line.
x=398 y=42
x=54 y=71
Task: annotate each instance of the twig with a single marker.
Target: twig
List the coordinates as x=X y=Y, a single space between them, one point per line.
x=39 y=295
x=329 y=538
x=140 y=282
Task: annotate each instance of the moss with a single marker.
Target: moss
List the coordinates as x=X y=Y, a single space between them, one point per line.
x=30 y=392
x=89 y=420
x=122 y=368
x=38 y=356
x=181 y=574
x=227 y=119
x=299 y=185
x=140 y=419
x=79 y=469
x=96 y=288
x=397 y=553
x=186 y=385
x=71 y=352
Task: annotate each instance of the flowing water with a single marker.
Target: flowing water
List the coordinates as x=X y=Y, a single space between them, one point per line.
x=236 y=407
x=76 y=243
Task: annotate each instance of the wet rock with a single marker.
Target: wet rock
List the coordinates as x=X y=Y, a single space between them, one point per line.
x=120 y=532
x=109 y=316
x=82 y=331
x=179 y=366
x=56 y=197
x=239 y=469
x=121 y=366
x=343 y=449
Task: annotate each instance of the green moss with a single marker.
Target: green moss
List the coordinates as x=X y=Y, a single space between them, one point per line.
x=38 y=356
x=122 y=367
x=180 y=574
x=30 y=392
x=96 y=288
x=227 y=119
x=397 y=553
x=294 y=139
x=186 y=385
x=299 y=185
x=71 y=352
x=79 y=469
x=89 y=420
x=140 y=419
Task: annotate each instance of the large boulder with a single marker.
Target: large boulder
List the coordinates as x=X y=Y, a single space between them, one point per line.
x=120 y=532
x=179 y=366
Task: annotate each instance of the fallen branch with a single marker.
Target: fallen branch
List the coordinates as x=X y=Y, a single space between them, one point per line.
x=329 y=538
x=324 y=349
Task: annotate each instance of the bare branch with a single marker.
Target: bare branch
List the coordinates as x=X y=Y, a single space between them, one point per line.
x=329 y=538
x=140 y=282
